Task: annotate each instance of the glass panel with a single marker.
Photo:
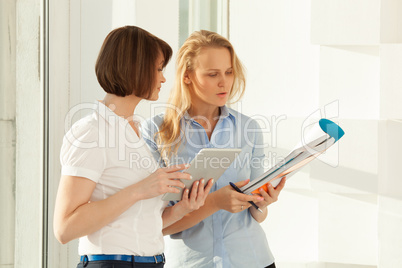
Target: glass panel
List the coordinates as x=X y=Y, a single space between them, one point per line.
x=183 y=21
x=195 y=15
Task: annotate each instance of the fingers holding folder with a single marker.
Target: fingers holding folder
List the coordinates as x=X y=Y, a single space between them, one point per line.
x=269 y=193
x=230 y=200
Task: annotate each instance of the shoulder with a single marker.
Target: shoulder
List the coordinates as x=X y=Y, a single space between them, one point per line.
x=84 y=130
x=83 y=153
x=150 y=127
x=244 y=121
x=152 y=124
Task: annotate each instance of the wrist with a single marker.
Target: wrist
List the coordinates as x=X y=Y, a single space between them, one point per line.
x=264 y=209
x=178 y=211
x=212 y=199
x=136 y=194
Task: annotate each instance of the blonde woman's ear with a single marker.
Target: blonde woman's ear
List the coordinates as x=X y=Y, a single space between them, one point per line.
x=187 y=79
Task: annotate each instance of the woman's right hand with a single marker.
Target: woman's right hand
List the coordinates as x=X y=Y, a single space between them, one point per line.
x=230 y=200
x=162 y=181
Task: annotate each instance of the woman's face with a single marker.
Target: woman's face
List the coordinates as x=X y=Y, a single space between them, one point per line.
x=212 y=78
x=159 y=78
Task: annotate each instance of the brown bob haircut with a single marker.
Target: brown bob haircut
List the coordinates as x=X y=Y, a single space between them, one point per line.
x=127 y=64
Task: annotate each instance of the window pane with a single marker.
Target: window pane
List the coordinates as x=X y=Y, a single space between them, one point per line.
x=195 y=15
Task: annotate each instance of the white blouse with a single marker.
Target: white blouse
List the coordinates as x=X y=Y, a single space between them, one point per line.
x=104 y=148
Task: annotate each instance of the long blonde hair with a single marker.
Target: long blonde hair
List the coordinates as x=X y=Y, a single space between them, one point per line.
x=170 y=134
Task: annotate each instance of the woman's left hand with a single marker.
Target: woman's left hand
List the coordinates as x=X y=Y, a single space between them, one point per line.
x=196 y=198
x=272 y=195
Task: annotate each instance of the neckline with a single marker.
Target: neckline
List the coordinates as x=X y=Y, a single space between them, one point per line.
x=105 y=112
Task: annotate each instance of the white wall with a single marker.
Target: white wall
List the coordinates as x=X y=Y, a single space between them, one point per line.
x=29 y=134
x=21 y=133
x=335 y=57
x=7 y=131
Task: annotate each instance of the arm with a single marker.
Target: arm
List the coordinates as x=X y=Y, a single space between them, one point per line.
x=75 y=216
x=192 y=218
x=225 y=198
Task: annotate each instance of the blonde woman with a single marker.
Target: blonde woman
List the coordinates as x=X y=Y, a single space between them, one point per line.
x=225 y=232
x=107 y=200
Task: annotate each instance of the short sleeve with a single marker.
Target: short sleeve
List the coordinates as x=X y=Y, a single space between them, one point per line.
x=149 y=128
x=81 y=154
x=258 y=155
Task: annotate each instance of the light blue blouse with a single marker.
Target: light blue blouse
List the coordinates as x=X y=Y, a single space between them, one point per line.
x=224 y=239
